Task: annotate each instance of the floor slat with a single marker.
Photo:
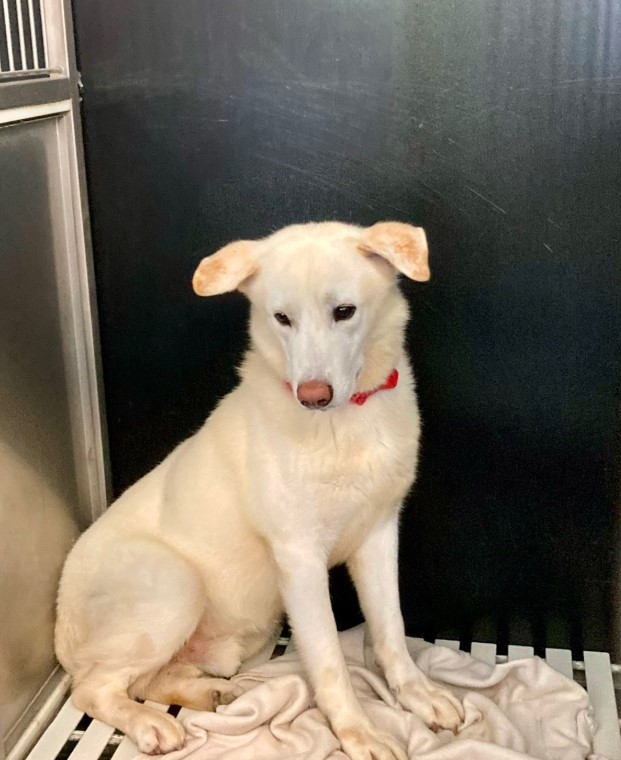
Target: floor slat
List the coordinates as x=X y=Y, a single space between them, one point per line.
x=156 y=705
x=560 y=659
x=517 y=652
x=185 y=712
x=92 y=744
x=53 y=740
x=600 y=686
x=415 y=644
x=126 y=750
x=483 y=651
x=264 y=654
x=448 y=643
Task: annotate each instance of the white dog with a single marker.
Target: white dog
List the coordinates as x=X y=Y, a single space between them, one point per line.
x=302 y=467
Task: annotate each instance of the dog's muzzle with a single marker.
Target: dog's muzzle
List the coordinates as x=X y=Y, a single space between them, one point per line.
x=314 y=394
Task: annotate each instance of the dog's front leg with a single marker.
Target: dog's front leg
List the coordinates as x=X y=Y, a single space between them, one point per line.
x=374 y=570
x=304 y=581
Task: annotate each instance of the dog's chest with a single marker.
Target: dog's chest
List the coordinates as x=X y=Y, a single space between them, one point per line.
x=334 y=483
x=363 y=482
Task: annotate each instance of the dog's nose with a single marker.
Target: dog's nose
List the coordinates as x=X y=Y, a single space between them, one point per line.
x=314 y=394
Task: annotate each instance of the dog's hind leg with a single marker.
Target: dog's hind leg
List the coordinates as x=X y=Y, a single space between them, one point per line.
x=217 y=656
x=137 y=609
x=103 y=694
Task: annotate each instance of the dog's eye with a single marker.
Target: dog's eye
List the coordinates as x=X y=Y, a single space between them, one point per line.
x=341 y=313
x=282 y=319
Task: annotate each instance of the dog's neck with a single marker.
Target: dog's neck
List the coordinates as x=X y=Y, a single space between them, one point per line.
x=379 y=362
x=384 y=349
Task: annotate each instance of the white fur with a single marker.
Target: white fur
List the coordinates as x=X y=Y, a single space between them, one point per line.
x=196 y=562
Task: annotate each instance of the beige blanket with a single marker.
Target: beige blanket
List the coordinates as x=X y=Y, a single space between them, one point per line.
x=514 y=711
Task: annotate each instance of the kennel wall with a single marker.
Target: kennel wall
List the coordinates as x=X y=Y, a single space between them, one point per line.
x=493 y=124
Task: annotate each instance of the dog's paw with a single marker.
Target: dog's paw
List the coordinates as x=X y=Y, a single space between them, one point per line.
x=157 y=733
x=223 y=692
x=206 y=693
x=366 y=743
x=433 y=704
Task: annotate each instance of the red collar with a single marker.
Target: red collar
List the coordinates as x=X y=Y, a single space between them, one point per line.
x=360 y=398
x=390 y=383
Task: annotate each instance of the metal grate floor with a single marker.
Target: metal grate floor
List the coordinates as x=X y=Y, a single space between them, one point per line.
x=74 y=736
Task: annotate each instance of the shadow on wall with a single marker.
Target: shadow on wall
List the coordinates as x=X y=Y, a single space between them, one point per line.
x=38 y=489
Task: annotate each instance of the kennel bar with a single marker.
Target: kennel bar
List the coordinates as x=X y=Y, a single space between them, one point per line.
x=23 y=39
x=72 y=736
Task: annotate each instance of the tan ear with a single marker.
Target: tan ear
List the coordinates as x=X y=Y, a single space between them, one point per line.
x=404 y=246
x=226 y=269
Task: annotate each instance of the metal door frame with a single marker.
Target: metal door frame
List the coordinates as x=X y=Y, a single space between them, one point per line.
x=53 y=93
x=56 y=94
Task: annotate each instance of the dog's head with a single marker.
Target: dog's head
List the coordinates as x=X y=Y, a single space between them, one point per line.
x=326 y=314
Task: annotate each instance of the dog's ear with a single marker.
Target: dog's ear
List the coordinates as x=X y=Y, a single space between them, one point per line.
x=403 y=246
x=226 y=269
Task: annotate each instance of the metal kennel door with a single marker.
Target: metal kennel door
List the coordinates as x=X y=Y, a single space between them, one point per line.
x=52 y=473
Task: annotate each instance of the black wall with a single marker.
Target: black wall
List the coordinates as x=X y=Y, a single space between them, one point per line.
x=494 y=124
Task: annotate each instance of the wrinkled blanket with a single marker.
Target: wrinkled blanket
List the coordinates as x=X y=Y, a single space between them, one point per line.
x=515 y=711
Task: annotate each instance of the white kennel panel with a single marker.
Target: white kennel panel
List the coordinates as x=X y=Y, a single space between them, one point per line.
x=599 y=683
